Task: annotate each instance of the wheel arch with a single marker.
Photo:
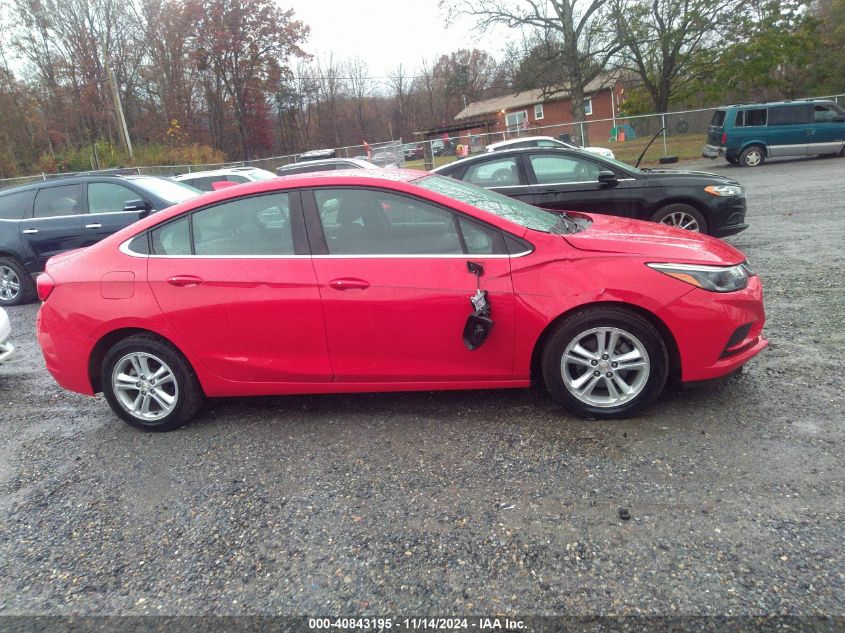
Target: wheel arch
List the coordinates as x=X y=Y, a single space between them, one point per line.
x=107 y=341
x=758 y=143
x=665 y=333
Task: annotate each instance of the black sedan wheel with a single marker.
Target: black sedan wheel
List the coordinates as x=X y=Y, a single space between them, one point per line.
x=682 y=216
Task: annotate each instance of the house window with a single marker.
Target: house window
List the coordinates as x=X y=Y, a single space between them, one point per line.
x=516 y=120
x=588 y=106
x=538 y=111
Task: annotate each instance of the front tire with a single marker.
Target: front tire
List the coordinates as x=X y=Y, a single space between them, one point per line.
x=605 y=362
x=753 y=156
x=149 y=384
x=16 y=285
x=681 y=216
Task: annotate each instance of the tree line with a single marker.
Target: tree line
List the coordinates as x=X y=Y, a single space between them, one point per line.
x=208 y=80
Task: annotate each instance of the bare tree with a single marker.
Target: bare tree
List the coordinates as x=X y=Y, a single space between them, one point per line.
x=670 y=44
x=580 y=40
x=360 y=89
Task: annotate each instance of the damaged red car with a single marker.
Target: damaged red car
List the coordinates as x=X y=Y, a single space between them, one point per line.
x=388 y=281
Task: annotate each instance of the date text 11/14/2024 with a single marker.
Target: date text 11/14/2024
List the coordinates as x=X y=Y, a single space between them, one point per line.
x=416 y=624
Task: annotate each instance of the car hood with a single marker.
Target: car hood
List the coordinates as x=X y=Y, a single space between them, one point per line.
x=687 y=173
x=610 y=234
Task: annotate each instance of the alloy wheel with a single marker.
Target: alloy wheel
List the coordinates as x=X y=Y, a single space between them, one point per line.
x=682 y=220
x=10 y=284
x=145 y=386
x=605 y=367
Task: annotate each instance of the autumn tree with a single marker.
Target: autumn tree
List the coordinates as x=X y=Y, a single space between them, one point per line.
x=238 y=40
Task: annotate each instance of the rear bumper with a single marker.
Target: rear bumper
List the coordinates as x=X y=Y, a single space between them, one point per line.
x=705 y=325
x=65 y=350
x=712 y=151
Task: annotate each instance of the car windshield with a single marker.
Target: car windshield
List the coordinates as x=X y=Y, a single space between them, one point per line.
x=492 y=202
x=168 y=190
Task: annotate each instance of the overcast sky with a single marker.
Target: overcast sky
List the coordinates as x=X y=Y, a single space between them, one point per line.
x=385 y=33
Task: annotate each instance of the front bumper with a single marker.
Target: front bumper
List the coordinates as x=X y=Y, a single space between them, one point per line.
x=729 y=216
x=705 y=326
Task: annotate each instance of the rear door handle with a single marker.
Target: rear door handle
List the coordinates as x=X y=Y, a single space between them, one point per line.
x=93 y=226
x=29 y=231
x=349 y=284
x=184 y=281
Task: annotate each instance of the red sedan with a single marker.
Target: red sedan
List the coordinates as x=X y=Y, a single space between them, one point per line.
x=388 y=281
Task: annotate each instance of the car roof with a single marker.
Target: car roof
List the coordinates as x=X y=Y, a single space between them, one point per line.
x=769 y=104
x=386 y=174
x=522 y=139
x=70 y=180
x=213 y=172
x=328 y=161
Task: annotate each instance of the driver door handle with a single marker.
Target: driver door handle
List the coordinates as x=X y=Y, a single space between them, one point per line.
x=94 y=226
x=29 y=231
x=348 y=283
x=185 y=281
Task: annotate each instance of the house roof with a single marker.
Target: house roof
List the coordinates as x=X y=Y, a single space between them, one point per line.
x=526 y=98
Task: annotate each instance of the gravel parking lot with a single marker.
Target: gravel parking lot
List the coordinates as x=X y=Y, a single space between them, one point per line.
x=458 y=503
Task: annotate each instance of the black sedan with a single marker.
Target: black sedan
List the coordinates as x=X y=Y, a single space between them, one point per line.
x=574 y=180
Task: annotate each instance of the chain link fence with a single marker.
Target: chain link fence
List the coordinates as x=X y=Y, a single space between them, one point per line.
x=679 y=134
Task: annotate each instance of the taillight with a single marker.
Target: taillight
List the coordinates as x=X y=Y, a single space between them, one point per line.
x=724 y=138
x=45 y=284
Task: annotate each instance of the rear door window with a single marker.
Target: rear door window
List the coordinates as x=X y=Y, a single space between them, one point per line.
x=791 y=115
x=718 y=119
x=502 y=172
x=53 y=202
x=15 y=206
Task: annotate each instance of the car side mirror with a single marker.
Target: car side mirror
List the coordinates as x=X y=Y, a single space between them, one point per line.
x=138 y=205
x=608 y=179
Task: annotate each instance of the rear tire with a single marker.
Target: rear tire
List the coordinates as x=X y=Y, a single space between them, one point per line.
x=149 y=384
x=753 y=156
x=16 y=285
x=682 y=216
x=605 y=362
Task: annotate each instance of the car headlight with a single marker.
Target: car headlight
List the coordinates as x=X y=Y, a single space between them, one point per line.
x=723 y=190
x=713 y=278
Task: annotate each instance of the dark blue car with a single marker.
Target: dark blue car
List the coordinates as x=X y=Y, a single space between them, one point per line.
x=40 y=220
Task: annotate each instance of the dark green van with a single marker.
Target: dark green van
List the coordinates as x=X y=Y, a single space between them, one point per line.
x=748 y=134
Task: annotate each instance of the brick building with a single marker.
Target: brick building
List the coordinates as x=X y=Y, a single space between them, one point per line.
x=523 y=112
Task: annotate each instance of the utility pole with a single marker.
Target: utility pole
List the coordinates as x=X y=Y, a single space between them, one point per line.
x=118 y=108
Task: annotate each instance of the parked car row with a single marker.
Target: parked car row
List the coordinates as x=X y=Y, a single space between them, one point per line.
x=493 y=271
